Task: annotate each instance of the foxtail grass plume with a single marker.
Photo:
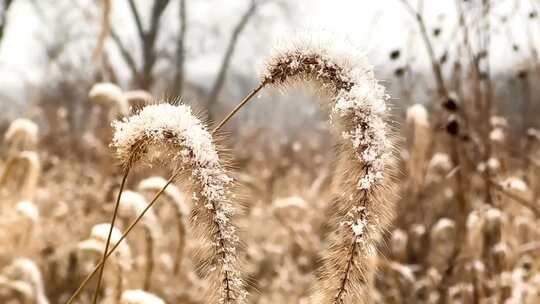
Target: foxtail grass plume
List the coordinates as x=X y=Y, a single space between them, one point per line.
x=181 y=211
x=25 y=273
x=442 y=242
x=137 y=99
x=23 y=170
x=111 y=96
x=362 y=206
x=122 y=259
x=170 y=135
x=22 y=134
x=131 y=205
x=418 y=139
x=99 y=233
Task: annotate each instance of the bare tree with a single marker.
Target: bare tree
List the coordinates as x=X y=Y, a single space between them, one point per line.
x=143 y=76
x=5 y=6
x=222 y=74
x=180 y=50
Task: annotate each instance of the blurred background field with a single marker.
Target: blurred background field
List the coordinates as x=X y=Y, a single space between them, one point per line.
x=462 y=75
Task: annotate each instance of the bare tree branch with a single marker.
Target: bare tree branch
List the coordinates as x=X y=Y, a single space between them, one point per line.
x=105 y=29
x=137 y=18
x=3 y=22
x=180 y=52
x=436 y=67
x=222 y=74
x=125 y=53
x=149 y=41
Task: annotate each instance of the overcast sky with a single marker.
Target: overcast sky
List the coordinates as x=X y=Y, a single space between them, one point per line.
x=379 y=26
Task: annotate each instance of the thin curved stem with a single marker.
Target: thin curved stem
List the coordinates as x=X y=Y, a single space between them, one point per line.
x=115 y=213
x=124 y=235
x=239 y=106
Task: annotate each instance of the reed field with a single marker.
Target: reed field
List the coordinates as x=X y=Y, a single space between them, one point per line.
x=191 y=155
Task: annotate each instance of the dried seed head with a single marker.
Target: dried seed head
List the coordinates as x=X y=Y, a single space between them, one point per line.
x=475 y=234
x=357 y=104
x=172 y=135
x=138 y=99
x=398 y=245
x=442 y=243
x=156 y=183
x=110 y=95
x=95 y=244
x=22 y=133
x=418 y=142
x=27 y=271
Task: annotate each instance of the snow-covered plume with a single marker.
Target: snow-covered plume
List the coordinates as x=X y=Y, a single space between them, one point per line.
x=358 y=112
x=171 y=135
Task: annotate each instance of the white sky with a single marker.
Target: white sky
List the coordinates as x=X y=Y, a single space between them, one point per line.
x=380 y=26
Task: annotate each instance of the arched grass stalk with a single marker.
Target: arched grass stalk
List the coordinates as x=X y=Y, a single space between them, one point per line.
x=361 y=206
x=138 y=219
x=357 y=104
x=166 y=132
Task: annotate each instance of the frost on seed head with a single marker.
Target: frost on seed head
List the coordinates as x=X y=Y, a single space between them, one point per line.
x=358 y=114
x=358 y=100
x=171 y=135
x=163 y=132
x=137 y=296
